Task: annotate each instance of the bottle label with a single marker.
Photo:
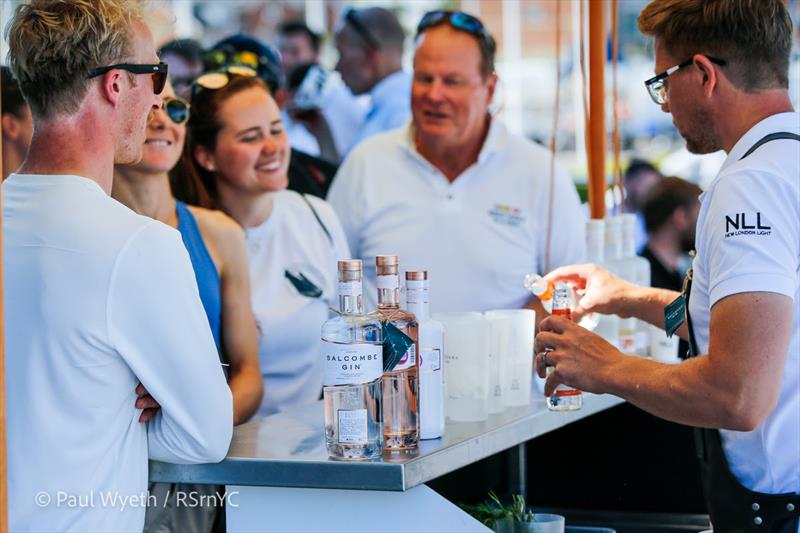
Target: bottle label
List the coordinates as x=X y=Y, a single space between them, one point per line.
x=389 y=282
x=409 y=358
x=430 y=359
x=563 y=390
x=351 y=364
x=352 y=424
x=350 y=288
x=416 y=296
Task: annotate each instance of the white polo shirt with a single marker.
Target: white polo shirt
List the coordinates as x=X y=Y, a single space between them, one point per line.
x=748 y=240
x=98 y=299
x=290 y=322
x=477 y=236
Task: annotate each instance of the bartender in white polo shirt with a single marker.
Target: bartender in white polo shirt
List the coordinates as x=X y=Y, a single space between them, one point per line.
x=453 y=191
x=740 y=308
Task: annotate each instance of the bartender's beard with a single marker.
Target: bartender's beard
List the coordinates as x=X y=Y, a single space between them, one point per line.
x=700 y=132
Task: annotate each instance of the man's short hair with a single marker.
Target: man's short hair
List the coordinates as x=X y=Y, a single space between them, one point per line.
x=53 y=44
x=665 y=197
x=637 y=167
x=754 y=37
x=12 y=100
x=383 y=26
x=189 y=50
x=297 y=27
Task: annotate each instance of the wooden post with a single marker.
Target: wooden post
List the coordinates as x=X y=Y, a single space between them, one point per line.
x=596 y=126
x=3 y=469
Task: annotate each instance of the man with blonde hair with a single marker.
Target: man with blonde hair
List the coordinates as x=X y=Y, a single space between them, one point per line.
x=103 y=317
x=723 y=75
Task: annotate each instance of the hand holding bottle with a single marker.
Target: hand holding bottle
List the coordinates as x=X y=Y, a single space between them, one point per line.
x=598 y=289
x=578 y=357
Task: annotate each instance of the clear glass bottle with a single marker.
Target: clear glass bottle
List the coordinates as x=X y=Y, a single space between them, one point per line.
x=401 y=384
x=431 y=353
x=564 y=398
x=541 y=288
x=352 y=350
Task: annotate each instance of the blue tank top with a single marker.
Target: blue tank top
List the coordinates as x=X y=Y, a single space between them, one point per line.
x=205 y=272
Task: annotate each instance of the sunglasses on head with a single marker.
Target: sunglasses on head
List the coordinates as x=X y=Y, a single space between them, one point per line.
x=458 y=20
x=177 y=109
x=220 y=78
x=221 y=57
x=157 y=71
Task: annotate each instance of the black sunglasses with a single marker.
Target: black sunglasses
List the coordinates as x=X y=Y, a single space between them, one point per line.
x=362 y=31
x=177 y=109
x=157 y=71
x=458 y=20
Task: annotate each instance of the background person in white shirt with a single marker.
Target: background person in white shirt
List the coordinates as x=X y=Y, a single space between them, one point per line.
x=370 y=45
x=454 y=192
x=742 y=313
x=300 y=46
x=241 y=157
x=101 y=304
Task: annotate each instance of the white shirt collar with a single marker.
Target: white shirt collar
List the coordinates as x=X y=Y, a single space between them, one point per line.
x=389 y=87
x=495 y=141
x=774 y=123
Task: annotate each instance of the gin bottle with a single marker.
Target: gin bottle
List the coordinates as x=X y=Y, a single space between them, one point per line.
x=401 y=383
x=431 y=350
x=352 y=345
x=564 y=398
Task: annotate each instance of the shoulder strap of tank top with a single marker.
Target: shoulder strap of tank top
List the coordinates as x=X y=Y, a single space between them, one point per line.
x=771 y=137
x=316 y=215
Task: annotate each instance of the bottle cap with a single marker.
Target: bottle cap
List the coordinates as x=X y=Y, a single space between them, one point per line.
x=417 y=275
x=386 y=260
x=349 y=265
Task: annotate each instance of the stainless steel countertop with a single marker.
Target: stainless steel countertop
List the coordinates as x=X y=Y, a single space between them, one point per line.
x=288 y=450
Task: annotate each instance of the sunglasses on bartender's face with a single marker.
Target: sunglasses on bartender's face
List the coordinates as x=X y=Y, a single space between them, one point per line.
x=157 y=71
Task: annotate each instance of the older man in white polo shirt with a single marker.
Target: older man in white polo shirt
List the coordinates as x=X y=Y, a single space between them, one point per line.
x=453 y=191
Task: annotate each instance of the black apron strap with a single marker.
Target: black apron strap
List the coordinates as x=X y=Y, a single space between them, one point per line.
x=771 y=137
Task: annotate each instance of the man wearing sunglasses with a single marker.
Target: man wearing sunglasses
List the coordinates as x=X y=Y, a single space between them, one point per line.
x=370 y=45
x=454 y=191
x=722 y=72
x=103 y=316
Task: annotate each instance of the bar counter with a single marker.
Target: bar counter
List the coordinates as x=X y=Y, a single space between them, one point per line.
x=280 y=479
x=288 y=450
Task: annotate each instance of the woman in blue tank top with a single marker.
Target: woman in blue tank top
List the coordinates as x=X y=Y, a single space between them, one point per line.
x=215 y=244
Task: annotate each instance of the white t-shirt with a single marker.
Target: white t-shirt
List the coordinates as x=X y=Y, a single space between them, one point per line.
x=748 y=240
x=289 y=322
x=477 y=236
x=98 y=299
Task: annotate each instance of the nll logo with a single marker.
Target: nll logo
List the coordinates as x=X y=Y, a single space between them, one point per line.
x=739 y=226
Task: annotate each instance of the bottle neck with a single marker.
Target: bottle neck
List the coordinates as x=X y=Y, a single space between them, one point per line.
x=420 y=308
x=388 y=291
x=351 y=300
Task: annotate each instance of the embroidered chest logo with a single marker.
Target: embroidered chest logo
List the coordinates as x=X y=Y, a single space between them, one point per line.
x=746 y=224
x=505 y=214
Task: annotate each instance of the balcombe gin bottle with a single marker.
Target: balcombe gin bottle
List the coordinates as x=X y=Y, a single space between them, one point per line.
x=353 y=358
x=400 y=383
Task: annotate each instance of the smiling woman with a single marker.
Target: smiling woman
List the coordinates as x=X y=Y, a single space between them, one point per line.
x=237 y=160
